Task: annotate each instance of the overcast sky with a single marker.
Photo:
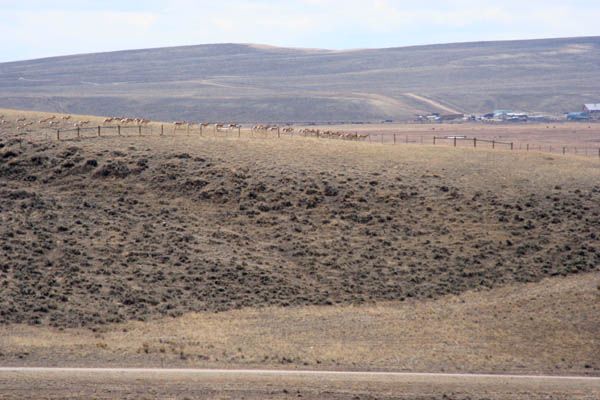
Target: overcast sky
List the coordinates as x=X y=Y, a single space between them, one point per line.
x=36 y=28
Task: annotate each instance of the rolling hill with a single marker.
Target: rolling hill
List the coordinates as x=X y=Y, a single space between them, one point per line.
x=251 y=83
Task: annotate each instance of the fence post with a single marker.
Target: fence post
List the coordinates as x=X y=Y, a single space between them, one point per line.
x=394 y=138
x=454 y=141
x=162 y=129
x=511 y=145
x=564 y=150
x=474 y=142
x=239 y=131
x=434 y=140
x=140 y=130
x=78 y=132
x=527 y=146
x=493 y=144
x=98 y=130
x=188 y=129
x=278 y=134
x=382 y=138
x=119 y=130
x=406 y=139
x=58 y=134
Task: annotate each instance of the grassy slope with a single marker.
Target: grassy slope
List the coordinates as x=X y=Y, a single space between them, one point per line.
x=249 y=83
x=194 y=223
x=112 y=229
x=547 y=327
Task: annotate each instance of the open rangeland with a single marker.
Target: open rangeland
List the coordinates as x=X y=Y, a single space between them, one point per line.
x=202 y=251
x=577 y=138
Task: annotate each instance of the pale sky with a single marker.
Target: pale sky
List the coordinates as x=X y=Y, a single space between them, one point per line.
x=36 y=28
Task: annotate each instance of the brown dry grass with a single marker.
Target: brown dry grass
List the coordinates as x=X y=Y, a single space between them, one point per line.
x=547 y=327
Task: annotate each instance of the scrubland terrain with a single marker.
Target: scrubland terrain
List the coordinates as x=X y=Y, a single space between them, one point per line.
x=250 y=83
x=181 y=250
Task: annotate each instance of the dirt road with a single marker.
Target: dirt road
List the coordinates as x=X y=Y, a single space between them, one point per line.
x=105 y=383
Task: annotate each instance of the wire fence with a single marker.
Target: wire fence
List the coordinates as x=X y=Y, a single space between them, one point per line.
x=236 y=131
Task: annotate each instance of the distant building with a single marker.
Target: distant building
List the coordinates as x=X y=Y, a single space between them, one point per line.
x=502 y=113
x=593 y=109
x=578 y=116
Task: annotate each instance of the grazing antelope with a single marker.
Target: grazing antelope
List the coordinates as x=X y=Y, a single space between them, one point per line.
x=21 y=119
x=66 y=117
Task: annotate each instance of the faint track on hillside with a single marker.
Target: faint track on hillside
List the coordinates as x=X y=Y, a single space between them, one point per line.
x=432 y=103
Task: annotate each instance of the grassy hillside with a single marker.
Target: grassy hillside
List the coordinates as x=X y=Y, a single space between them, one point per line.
x=248 y=83
x=113 y=229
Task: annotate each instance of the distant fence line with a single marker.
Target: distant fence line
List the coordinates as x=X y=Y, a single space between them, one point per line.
x=139 y=130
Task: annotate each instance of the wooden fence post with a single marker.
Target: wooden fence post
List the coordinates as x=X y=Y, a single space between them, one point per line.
x=434 y=140
x=493 y=144
x=58 y=134
x=162 y=129
x=119 y=129
x=564 y=150
x=188 y=129
x=98 y=130
x=78 y=132
x=278 y=134
x=239 y=131
x=140 y=130
x=527 y=146
x=382 y=138
x=394 y=138
x=454 y=141
x=474 y=142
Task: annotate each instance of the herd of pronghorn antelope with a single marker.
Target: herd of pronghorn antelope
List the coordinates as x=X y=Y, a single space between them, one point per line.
x=65 y=121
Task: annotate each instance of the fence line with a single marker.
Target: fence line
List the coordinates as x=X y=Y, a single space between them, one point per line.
x=79 y=133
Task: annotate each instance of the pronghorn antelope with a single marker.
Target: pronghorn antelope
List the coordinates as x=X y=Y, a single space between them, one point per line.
x=178 y=124
x=66 y=117
x=108 y=120
x=44 y=120
x=218 y=126
x=21 y=119
x=53 y=123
